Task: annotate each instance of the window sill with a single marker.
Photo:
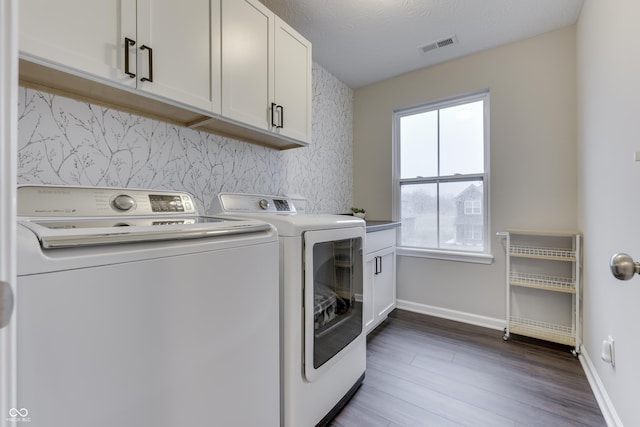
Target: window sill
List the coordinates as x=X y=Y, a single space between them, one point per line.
x=476 y=258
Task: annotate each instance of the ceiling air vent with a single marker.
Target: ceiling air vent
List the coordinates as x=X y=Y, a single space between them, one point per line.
x=448 y=41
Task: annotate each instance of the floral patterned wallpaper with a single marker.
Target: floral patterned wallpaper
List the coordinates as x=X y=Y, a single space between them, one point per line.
x=66 y=142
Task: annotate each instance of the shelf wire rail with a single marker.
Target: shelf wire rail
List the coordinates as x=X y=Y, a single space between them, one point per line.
x=543 y=330
x=551 y=253
x=562 y=284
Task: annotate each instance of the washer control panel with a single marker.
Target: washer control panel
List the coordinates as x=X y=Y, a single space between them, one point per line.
x=53 y=201
x=169 y=203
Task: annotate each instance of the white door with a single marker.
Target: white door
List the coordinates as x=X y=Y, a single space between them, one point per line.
x=75 y=34
x=8 y=155
x=293 y=82
x=384 y=287
x=367 y=291
x=247 y=65
x=174 y=48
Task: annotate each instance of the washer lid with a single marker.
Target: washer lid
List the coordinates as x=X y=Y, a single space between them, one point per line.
x=92 y=232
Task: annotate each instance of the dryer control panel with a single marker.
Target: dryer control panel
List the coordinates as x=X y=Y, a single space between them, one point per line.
x=254 y=203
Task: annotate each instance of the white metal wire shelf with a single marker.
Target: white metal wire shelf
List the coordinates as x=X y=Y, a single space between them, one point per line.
x=542 y=330
x=539 y=281
x=543 y=253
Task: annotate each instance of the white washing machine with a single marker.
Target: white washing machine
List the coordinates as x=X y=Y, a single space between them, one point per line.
x=132 y=310
x=321 y=275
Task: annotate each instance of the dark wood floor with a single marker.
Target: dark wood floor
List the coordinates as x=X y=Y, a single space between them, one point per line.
x=426 y=371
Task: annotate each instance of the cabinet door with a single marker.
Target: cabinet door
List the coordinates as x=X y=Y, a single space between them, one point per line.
x=77 y=35
x=174 y=49
x=367 y=293
x=384 y=284
x=247 y=65
x=293 y=88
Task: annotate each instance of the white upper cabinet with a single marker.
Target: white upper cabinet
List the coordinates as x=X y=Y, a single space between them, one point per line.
x=173 y=49
x=247 y=67
x=79 y=35
x=226 y=66
x=293 y=64
x=266 y=71
x=162 y=47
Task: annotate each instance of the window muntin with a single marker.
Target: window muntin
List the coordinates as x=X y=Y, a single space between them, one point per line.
x=442 y=175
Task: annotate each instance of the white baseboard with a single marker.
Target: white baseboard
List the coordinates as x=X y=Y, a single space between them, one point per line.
x=602 y=397
x=445 y=313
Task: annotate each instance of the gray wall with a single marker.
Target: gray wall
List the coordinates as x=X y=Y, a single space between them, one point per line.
x=533 y=167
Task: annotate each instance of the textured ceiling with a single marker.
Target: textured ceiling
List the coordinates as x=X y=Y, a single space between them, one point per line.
x=365 y=41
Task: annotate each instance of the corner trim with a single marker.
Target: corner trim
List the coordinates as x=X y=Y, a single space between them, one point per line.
x=445 y=313
x=602 y=397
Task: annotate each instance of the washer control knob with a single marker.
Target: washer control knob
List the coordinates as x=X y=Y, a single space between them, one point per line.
x=264 y=204
x=123 y=202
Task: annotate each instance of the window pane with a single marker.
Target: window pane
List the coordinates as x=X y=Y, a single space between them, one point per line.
x=458 y=215
x=461 y=139
x=419 y=145
x=419 y=215
x=461 y=219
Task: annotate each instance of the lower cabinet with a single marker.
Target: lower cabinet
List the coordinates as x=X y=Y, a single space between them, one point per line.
x=380 y=277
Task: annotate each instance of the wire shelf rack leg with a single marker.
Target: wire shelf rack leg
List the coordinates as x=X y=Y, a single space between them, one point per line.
x=507 y=238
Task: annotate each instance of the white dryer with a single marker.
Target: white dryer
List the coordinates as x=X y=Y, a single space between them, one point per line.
x=321 y=276
x=132 y=310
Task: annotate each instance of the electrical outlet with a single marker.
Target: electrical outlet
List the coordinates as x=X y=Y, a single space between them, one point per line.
x=609 y=351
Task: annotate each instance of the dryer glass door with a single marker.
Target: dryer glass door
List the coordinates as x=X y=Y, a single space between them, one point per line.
x=333 y=296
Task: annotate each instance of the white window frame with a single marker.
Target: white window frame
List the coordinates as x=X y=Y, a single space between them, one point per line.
x=484 y=257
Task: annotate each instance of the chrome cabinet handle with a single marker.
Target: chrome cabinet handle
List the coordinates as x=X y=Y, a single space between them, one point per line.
x=378 y=265
x=623 y=267
x=150 y=78
x=128 y=42
x=281 y=108
x=273 y=114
